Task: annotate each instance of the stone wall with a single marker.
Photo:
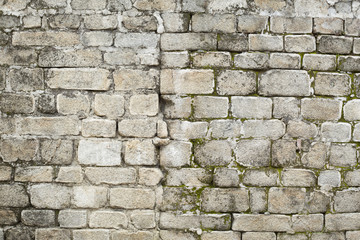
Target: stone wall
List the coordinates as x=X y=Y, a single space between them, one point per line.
x=179 y=119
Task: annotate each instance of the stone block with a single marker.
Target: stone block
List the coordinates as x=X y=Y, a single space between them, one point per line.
x=111 y=106
x=335 y=44
x=213 y=23
x=176 y=154
x=34 y=174
x=137 y=128
x=332 y=84
x=140 y=153
x=291 y=24
x=70 y=218
x=284 y=61
x=300 y=43
x=319 y=62
x=252 y=23
x=284 y=153
x=252 y=60
x=213 y=153
x=261 y=223
x=286 y=200
x=261 y=178
x=321 y=109
x=298 y=178
x=184 y=130
x=233 y=42
x=110 y=175
x=132 y=198
x=251 y=107
x=335 y=132
x=61 y=39
x=192 y=177
x=144 y=105
x=210 y=107
x=188 y=41
x=51 y=196
x=259 y=42
x=89 y=196
x=273 y=129
x=253 y=152
x=108 y=219
x=99 y=153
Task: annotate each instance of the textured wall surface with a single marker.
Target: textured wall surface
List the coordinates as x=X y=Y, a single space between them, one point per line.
x=179 y=119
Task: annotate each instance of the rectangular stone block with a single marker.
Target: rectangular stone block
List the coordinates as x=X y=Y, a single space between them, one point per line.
x=284 y=83
x=61 y=39
x=291 y=24
x=229 y=79
x=64 y=21
x=81 y=79
x=8 y=21
x=347 y=201
x=184 y=130
x=70 y=58
x=284 y=61
x=73 y=104
x=188 y=41
x=48 y=126
x=343 y=155
x=233 y=42
x=88 y=4
x=38 y=218
x=308 y=223
x=284 y=153
x=261 y=223
x=26 y=79
x=71 y=218
x=252 y=60
x=119 y=235
x=34 y=174
x=13 y=195
x=52 y=233
x=300 y=43
x=108 y=219
x=252 y=23
x=194 y=5
x=210 y=107
x=176 y=106
x=352 y=178
x=349 y=63
x=129 y=79
x=137 y=128
x=70 y=175
x=176 y=22
x=97 y=38
x=178 y=199
x=160 y=5
x=211 y=59
x=335 y=132
x=272 y=129
x=16 y=103
x=213 y=153
x=187 y=81
x=110 y=175
x=88 y=234
x=15 y=56
x=98 y=128
x=111 y=106
x=100 y=22
x=224 y=177
x=89 y=196
x=332 y=84
x=132 y=198
x=261 y=178
x=51 y=196
x=298 y=178
x=148 y=41
x=175 y=59
x=139 y=152
x=335 y=44
x=329 y=26
x=186 y=221
x=351 y=26
x=213 y=23
x=329 y=178
x=147 y=105
x=5 y=173
x=259 y=236
x=321 y=109
x=251 y=107
x=176 y=154
x=259 y=42
x=150 y=176
x=320 y=62
x=99 y=153
x=192 y=177
x=286 y=200
x=342 y=222
x=56 y=151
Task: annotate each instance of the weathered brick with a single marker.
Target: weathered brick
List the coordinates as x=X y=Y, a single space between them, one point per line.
x=300 y=43
x=100 y=22
x=252 y=23
x=320 y=62
x=175 y=59
x=88 y=4
x=210 y=107
x=225 y=128
x=284 y=153
x=108 y=219
x=64 y=21
x=89 y=196
x=307 y=223
x=99 y=153
x=352 y=178
x=286 y=200
x=14 y=149
x=19 y=233
x=347 y=201
x=140 y=153
x=335 y=44
x=300 y=129
x=251 y=107
x=286 y=107
x=183 y=130
x=186 y=221
x=69 y=58
x=272 y=129
x=325 y=236
x=224 y=200
x=351 y=26
x=258 y=42
x=50 y=196
x=177 y=198
x=45 y=103
x=342 y=222
x=224 y=177
x=8 y=21
x=140 y=23
x=188 y=41
x=175 y=154
x=329 y=177
x=15 y=56
x=132 y=198
x=88 y=234
x=26 y=79
x=349 y=63
x=82 y=79
x=137 y=128
x=71 y=218
x=332 y=84
x=253 y=152
x=97 y=38
x=291 y=25
x=329 y=26
x=192 y=177
x=128 y=79
x=284 y=83
x=252 y=60
x=213 y=23
x=69 y=175
x=211 y=59
x=8 y=217
x=98 y=128
x=122 y=56
x=60 y=39
x=176 y=22
x=16 y=103
x=187 y=81
x=144 y=219
x=144 y=105
x=298 y=178
x=258 y=200
x=48 y=126
x=261 y=222
x=5 y=173
x=110 y=175
x=56 y=151
x=194 y=5
x=213 y=153
x=343 y=155
x=321 y=109
x=175 y=106
x=111 y=106
x=150 y=176
x=261 y=178
x=34 y=174
x=137 y=40
x=7 y=125
x=13 y=195
x=233 y=42
x=38 y=218
x=71 y=104
x=335 y=132
x=284 y=61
